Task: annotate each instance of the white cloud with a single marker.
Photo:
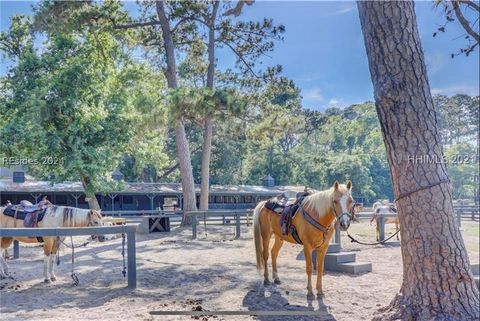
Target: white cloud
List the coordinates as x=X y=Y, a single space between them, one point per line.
x=435 y=62
x=313 y=95
x=341 y=11
x=456 y=89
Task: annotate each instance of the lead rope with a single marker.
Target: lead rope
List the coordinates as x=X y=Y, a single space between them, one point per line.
x=75 y=279
x=124 y=270
x=352 y=240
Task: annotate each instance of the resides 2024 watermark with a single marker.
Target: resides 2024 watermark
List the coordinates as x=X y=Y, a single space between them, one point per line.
x=47 y=160
x=457 y=159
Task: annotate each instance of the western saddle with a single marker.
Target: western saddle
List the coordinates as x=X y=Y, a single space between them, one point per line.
x=287 y=208
x=30 y=213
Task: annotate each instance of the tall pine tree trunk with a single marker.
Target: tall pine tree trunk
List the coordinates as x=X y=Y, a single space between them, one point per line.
x=205 y=171
x=183 y=150
x=437 y=281
x=208 y=123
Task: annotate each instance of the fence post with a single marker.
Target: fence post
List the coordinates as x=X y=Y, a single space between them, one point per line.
x=381 y=227
x=337 y=238
x=16 y=249
x=194 y=226
x=237 y=232
x=132 y=261
x=459 y=213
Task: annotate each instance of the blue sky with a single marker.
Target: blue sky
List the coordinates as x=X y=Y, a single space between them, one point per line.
x=324 y=53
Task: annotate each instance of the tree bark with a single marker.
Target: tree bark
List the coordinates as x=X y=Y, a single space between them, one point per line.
x=184 y=158
x=205 y=171
x=437 y=281
x=208 y=123
x=89 y=192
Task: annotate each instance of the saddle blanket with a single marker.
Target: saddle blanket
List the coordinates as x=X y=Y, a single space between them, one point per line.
x=30 y=219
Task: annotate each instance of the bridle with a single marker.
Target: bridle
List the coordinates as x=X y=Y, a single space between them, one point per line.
x=322 y=228
x=350 y=214
x=90 y=218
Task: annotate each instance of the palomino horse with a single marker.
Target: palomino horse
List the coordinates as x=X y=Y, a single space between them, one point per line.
x=55 y=216
x=314 y=223
x=384 y=208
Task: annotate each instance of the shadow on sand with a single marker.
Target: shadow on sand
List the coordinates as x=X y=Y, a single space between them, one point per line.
x=271 y=299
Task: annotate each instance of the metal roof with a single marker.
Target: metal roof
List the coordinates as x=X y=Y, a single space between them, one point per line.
x=32 y=186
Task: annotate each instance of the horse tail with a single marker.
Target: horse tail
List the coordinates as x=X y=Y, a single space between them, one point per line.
x=257 y=235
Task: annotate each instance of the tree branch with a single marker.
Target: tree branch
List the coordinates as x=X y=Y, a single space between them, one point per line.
x=137 y=24
x=237 y=10
x=241 y=58
x=260 y=49
x=464 y=22
x=471 y=4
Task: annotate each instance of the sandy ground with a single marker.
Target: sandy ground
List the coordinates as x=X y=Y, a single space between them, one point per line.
x=212 y=273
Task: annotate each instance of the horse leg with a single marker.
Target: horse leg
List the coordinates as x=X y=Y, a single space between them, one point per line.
x=51 y=268
x=308 y=261
x=275 y=249
x=320 y=268
x=4 y=244
x=266 y=244
x=47 y=249
x=3 y=266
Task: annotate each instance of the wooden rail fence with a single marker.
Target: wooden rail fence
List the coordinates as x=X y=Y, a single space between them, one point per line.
x=78 y=231
x=220 y=218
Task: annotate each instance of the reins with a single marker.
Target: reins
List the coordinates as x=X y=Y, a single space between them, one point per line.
x=319 y=226
x=72 y=246
x=75 y=279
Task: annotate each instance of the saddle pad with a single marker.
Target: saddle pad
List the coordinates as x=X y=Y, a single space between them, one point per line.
x=21 y=215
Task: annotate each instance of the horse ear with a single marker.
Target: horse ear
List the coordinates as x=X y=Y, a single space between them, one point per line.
x=335 y=185
x=349 y=185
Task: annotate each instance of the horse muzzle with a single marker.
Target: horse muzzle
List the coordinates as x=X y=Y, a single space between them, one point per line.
x=344 y=222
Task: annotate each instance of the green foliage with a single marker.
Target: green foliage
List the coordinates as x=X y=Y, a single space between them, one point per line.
x=80 y=101
x=83 y=99
x=462 y=168
x=457 y=118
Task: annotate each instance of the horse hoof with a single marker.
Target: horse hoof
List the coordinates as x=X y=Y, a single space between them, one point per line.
x=277 y=281
x=47 y=281
x=53 y=279
x=320 y=295
x=310 y=296
x=266 y=283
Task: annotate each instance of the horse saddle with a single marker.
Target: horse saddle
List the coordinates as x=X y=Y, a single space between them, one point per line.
x=287 y=208
x=30 y=213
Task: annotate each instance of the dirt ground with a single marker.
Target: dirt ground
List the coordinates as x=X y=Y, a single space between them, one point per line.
x=210 y=273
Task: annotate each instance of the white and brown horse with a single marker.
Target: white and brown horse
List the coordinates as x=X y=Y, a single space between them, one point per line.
x=55 y=216
x=385 y=208
x=314 y=223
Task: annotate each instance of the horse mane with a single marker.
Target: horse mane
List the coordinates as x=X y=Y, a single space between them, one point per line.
x=321 y=202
